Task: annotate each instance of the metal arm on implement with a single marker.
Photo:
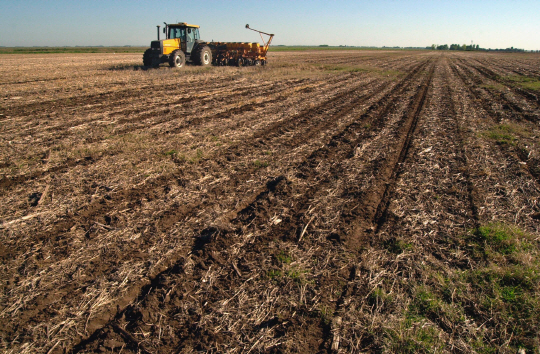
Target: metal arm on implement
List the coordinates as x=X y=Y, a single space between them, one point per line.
x=266 y=45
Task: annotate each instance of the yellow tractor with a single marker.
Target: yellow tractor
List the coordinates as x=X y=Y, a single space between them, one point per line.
x=183 y=44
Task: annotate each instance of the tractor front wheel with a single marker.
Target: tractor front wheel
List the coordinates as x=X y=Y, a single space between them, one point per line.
x=177 y=59
x=147 y=57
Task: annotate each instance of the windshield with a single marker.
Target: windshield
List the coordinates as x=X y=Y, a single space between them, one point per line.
x=177 y=32
x=190 y=37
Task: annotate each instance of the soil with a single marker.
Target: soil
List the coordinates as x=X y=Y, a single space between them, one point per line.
x=258 y=209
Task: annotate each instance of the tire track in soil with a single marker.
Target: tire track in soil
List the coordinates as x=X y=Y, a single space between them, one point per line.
x=375 y=202
x=510 y=107
x=111 y=104
x=315 y=158
x=515 y=109
x=497 y=117
x=523 y=69
x=243 y=107
x=52 y=79
x=198 y=99
x=371 y=218
x=113 y=96
x=275 y=130
x=341 y=147
x=6 y=183
x=345 y=98
x=382 y=215
x=488 y=73
x=472 y=196
x=164 y=109
x=280 y=128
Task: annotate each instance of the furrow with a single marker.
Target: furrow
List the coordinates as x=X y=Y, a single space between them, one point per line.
x=263 y=206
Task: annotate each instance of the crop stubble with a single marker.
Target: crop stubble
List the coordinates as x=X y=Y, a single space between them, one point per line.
x=255 y=209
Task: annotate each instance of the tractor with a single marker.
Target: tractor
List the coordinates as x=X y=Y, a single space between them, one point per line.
x=183 y=44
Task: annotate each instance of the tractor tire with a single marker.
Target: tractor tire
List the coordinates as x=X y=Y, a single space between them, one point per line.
x=147 y=57
x=202 y=56
x=177 y=59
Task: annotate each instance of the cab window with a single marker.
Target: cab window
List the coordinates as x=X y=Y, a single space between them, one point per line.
x=196 y=33
x=190 y=35
x=177 y=32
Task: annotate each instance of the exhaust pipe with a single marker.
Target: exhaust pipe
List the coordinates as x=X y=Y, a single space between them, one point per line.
x=158 y=32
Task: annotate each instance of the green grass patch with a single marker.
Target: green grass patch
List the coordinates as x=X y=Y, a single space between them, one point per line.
x=287 y=271
x=260 y=164
x=199 y=154
x=407 y=340
x=297 y=275
x=506 y=290
x=499 y=241
x=510 y=295
x=284 y=258
x=171 y=152
x=274 y=274
x=503 y=134
x=379 y=297
x=294 y=274
x=495 y=86
x=531 y=83
x=499 y=237
x=498 y=292
x=425 y=302
x=480 y=346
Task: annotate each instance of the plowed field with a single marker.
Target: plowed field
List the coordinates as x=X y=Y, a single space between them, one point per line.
x=345 y=201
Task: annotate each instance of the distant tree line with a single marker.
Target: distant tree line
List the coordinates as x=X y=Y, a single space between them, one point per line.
x=463 y=47
x=473 y=47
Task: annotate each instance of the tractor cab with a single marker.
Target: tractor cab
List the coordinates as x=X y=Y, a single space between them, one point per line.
x=185 y=35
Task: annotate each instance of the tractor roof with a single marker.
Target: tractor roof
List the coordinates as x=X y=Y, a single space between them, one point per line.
x=183 y=24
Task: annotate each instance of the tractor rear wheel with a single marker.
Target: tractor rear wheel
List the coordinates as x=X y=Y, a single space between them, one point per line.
x=147 y=57
x=202 y=56
x=177 y=59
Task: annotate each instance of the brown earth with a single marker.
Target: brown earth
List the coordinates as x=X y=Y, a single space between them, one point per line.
x=347 y=201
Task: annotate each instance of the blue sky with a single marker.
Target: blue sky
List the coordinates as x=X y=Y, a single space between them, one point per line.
x=492 y=24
